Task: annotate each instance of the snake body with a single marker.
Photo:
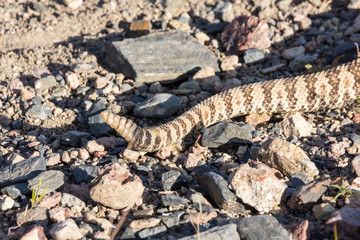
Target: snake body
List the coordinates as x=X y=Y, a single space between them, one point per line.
x=331 y=88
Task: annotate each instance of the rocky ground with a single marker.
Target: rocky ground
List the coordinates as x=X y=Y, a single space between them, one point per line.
x=63 y=175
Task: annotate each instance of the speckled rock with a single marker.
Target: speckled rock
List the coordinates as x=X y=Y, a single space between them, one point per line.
x=159 y=106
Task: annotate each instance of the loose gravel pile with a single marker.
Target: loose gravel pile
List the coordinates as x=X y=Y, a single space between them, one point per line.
x=62 y=170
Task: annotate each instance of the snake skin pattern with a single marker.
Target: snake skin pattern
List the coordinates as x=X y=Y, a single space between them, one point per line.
x=312 y=92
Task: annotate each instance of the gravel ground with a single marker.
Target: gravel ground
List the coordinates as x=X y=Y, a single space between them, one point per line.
x=63 y=175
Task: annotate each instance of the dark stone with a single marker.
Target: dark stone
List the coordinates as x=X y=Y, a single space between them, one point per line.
x=85 y=173
x=151 y=233
x=225 y=133
x=174 y=55
x=16 y=124
x=22 y=171
x=96 y=123
x=15 y=191
x=298 y=180
x=173 y=219
x=171 y=200
x=73 y=138
x=261 y=227
x=50 y=180
x=158 y=106
x=215 y=186
x=173 y=180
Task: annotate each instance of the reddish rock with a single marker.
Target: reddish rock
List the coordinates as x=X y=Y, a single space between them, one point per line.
x=59 y=214
x=50 y=201
x=35 y=233
x=117 y=187
x=104 y=223
x=65 y=230
x=16 y=86
x=93 y=146
x=347 y=220
x=245 y=32
x=72 y=80
x=144 y=223
x=299 y=231
x=258 y=187
x=141 y=25
x=53 y=159
x=338 y=149
x=83 y=154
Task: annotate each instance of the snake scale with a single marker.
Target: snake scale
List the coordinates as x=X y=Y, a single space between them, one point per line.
x=331 y=88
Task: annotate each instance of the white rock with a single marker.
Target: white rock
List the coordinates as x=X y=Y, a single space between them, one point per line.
x=295 y=126
x=6 y=204
x=65 y=230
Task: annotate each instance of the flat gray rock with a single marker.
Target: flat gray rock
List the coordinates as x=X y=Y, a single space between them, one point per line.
x=51 y=180
x=22 y=171
x=159 y=57
x=158 y=106
x=225 y=232
x=262 y=227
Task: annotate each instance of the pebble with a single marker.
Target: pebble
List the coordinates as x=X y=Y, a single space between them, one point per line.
x=323 y=211
x=95 y=122
x=356 y=165
x=159 y=106
x=306 y=196
x=253 y=228
x=287 y=158
x=173 y=180
x=69 y=200
x=245 y=32
x=229 y=63
x=152 y=233
x=298 y=64
x=295 y=126
x=53 y=159
x=73 y=138
x=217 y=188
x=227 y=231
x=41 y=112
x=225 y=133
x=292 y=53
x=22 y=171
x=6 y=203
x=174 y=7
x=50 y=180
x=85 y=173
x=253 y=55
x=15 y=191
x=300 y=230
x=83 y=67
x=144 y=223
x=93 y=146
x=37 y=215
x=174 y=202
x=64 y=230
x=49 y=202
x=34 y=233
x=257 y=187
x=224 y=11
x=117 y=187
x=45 y=83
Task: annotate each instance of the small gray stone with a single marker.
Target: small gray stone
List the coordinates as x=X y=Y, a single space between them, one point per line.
x=173 y=219
x=253 y=55
x=262 y=227
x=158 y=106
x=45 y=83
x=51 y=180
x=82 y=67
x=298 y=180
x=85 y=173
x=22 y=171
x=227 y=232
x=224 y=11
x=41 y=112
x=355 y=138
x=173 y=180
x=173 y=201
x=225 y=133
x=15 y=191
x=298 y=64
x=323 y=211
x=6 y=203
x=73 y=138
x=59 y=92
x=69 y=200
x=152 y=233
x=193 y=86
x=292 y=53
x=96 y=123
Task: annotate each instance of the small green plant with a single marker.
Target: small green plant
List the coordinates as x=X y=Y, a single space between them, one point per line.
x=335 y=232
x=35 y=198
x=344 y=191
x=312 y=69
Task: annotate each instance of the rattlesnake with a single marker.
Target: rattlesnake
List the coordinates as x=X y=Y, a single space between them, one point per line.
x=311 y=92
